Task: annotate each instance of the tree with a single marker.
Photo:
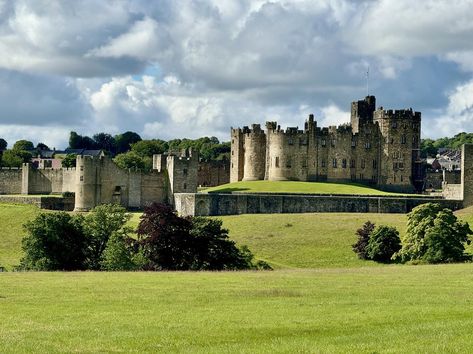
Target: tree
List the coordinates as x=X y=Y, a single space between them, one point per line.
x=75 y=141
x=11 y=159
x=149 y=147
x=445 y=239
x=3 y=144
x=422 y=236
x=360 y=247
x=54 y=241
x=169 y=242
x=131 y=160
x=384 y=241
x=70 y=160
x=105 y=142
x=99 y=224
x=119 y=254
x=41 y=146
x=23 y=145
x=125 y=140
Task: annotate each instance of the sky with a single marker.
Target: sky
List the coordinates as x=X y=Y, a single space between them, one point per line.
x=192 y=68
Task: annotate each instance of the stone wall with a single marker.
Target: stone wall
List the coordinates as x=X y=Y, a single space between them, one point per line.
x=213 y=173
x=231 y=204
x=10 y=180
x=52 y=203
x=452 y=191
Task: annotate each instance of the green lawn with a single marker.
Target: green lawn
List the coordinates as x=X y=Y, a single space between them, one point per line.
x=320 y=298
x=296 y=187
x=392 y=309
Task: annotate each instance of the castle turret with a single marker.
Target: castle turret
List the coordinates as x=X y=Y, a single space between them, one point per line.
x=361 y=112
x=237 y=155
x=255 y=154
x=87 y=185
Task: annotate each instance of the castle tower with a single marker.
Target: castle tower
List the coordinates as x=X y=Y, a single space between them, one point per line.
x=467 y=174
x=182 y=173
x=255 y=154
x=88 y=191
x=237 y=155
x=361 y=112
x=399 y=150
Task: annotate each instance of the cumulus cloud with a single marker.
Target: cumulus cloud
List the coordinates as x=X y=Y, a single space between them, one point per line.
x=194 y=68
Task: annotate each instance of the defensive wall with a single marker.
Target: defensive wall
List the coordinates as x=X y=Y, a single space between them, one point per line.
x=201 y=204
x=43 y=202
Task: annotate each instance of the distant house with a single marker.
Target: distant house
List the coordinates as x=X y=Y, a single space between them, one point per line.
x=43 y=159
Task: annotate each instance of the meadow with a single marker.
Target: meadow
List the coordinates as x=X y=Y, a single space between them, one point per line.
x=319 y=298
x=296 y=187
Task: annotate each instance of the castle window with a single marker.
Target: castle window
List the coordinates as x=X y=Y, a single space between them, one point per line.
x=81 y=178
x=184 y=172
x=233 y=141
x=334 y=163
x=233 y=152
x=304 y=163
x=344 y=163
x=323 y=163
x=288 y=163
x=232 y=164
x=375 y=164
x=403 y=139
x=290 y=141
x=352 y=163
x=401 y=178
x=82 y=168
x=185 y=186
x=394 y=124
x=324 y=142
x=362 y=163
x=276 y=161
x=367 y=145
x=333 y=142
x=353 y=142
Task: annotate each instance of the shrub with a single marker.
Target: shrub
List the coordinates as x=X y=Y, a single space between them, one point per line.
x=68 y=194
x=120 y=255
x=99 y=224
x=54 y=241
x=434 y=235
x=383 y=242
x=363 y=238
x=173 y=243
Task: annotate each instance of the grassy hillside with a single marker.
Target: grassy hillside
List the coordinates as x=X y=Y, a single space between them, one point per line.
x=12 y=218
x=296 y=187
x=397 y=309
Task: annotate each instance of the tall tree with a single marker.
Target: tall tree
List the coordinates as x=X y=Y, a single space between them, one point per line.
x=125 y=140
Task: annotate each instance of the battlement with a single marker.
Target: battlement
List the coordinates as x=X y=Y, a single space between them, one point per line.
x=381 y=113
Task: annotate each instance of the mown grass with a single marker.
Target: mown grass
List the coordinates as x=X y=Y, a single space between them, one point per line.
x=396 y=309
x=296 y=187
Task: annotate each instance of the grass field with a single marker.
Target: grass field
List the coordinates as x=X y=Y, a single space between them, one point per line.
x=320 y=298
x=296 y=187
x=396 y=309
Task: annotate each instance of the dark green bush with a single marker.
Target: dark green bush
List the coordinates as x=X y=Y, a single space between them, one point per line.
x=363 y=238
x=384 y=241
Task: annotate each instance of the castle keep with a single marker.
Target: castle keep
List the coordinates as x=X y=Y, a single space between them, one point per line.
x=379 y=147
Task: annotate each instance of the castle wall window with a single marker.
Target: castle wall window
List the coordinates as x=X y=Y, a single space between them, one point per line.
x=304 y=163
x=232 y=164
x=184 y=172
x=185 y=186
x=324 y=142
x=375 y=164
x=82 y=168
x=334 y=163
x=353 y=142
x=333 y=142
x=403 y=139
x=367 y=145
x=81 y=178
x=352 y=163
x=290 y=141
x=323 y=163
x=363 y=163
x=288 y=163
x=344 y=163
x=276 y=161
x=233 y=152
x=394 y=124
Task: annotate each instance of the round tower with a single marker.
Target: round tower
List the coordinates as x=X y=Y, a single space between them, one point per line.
x=255 y=154
x=86 y=184
x=280 y=163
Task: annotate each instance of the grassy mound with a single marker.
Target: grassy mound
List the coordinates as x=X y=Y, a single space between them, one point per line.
x=296 y=187
x=399 y=309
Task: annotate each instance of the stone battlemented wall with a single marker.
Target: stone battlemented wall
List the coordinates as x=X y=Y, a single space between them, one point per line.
x=10 y=180
x=202 y=204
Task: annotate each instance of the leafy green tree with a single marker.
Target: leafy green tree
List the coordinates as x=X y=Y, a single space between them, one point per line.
x=422 y=221
x=3 y=144
x=99 y=224
x=384 y=241
x=23 y=145
x=54 y=241
x=105 y=142
x=70 y=160
x=41 y=146
x=445 y=239
x=360 y=247
x=75 y=141
x=125 y=140
x=119 y=254
x=149 y=147
x=11 y=159
x=131 y=160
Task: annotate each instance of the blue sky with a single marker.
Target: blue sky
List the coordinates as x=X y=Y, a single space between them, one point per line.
x=168 y=69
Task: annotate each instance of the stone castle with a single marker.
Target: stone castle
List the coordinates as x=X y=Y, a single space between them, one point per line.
x=379 y=147
x=97 y=180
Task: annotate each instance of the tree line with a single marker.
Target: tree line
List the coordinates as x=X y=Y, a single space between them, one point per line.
x=430 y=147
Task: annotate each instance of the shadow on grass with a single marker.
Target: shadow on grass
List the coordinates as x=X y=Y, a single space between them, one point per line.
x=229 y=190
